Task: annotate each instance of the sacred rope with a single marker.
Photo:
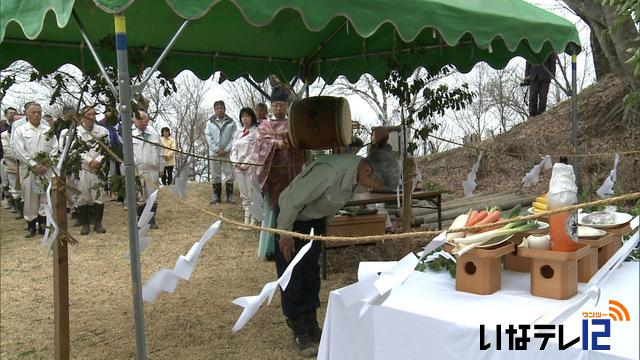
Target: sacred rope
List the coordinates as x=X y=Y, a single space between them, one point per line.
x=407 y=235
x=533 y=155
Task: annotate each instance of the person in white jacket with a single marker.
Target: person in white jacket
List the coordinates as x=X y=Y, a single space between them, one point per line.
x=69 y=115
x=29 y=140
x=243 y=141
x=148 y=158
x=219 y=131
x=11 y=167
x=91 y=199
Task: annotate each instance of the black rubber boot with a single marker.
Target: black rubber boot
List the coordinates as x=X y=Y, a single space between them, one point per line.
x=311 y=323
x=76 y=217
x=31 y=229
x=98 y=213
x=42 y=224
x=229 y=191
x=84 y=215
x=11 y=204
x=217 y=193
x=152 y=222
x=300 y=338
x=19 y=209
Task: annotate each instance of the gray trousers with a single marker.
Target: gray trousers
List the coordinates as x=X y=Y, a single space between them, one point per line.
x=221 y=171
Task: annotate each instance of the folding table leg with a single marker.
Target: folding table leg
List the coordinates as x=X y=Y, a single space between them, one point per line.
x=324 y=261
x=439 y=212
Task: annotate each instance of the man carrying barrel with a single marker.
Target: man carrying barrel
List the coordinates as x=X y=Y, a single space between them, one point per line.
x=280 y=164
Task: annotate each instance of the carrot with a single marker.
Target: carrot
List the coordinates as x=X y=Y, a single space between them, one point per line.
x=472 y=214
x=491 y=217
x=479 y=216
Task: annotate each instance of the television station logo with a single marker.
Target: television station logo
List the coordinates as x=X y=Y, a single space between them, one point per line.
x=595 y=334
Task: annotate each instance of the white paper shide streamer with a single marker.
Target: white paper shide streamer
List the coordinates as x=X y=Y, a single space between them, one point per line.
x=251 y=304
x=256 y=201
x=143 y=223
x=533 y=175
x=167 y=280
x=606 y=190
x=179 y=187
x=469 y=185
x=48 y=238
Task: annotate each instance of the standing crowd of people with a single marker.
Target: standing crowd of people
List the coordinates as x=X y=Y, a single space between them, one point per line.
x=25 y=173
x=255 y=151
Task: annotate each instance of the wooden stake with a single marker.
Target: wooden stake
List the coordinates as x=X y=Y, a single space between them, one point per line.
x=60 y=273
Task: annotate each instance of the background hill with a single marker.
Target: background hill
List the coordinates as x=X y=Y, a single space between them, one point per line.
x=602 y=129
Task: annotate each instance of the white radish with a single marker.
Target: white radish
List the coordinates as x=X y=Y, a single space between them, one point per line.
x=587 y=231
x=456 y=224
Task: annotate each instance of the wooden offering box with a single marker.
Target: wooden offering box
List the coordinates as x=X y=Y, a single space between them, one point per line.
x=588 y=265
x=607 y=251
x=514 y=262
x=479 y=271
x=359 y=225
x=517 y=263
x=554 y=274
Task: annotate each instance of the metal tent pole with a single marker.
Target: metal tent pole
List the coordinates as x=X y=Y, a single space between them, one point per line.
x=94 y=53
x=125 y=116
x=255 y=85
x=164 y=54
x=574 y=119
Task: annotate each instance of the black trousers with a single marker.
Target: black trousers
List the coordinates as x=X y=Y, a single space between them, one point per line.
x=167 y=175
x=303 y=292
x=538 y=92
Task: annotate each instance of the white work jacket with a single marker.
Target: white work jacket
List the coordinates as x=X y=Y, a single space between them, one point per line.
x=30 y=140
x=148 y=157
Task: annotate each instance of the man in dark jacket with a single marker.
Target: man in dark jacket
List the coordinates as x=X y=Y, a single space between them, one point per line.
x=538 y=77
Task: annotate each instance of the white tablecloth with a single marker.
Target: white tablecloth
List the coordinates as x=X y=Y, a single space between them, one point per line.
x=426 y=318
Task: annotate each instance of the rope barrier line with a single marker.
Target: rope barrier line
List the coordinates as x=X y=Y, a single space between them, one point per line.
x=628 y=152
x=626 y=197
x=533 y=155
x=194 y=155
x=215 y=158
x=612 y=200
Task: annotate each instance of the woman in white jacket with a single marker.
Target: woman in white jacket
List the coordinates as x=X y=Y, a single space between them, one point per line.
x=243 y=141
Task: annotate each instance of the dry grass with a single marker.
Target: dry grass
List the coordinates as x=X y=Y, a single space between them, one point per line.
x=193 y=323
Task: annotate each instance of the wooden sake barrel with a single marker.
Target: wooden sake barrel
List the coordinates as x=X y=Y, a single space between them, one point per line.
x=320 y=122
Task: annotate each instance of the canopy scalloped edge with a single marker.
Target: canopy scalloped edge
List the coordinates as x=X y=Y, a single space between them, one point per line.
x=31 y=32
x=63 y=14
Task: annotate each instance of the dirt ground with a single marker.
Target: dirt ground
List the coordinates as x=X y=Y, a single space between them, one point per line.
x=193 y=323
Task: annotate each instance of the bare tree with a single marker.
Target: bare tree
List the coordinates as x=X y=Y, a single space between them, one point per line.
x=158 y=93
x=435 y=145
x=186 y=114
x=369 y=90
x=614 y=36
x=506 y=97
x=477 y=117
